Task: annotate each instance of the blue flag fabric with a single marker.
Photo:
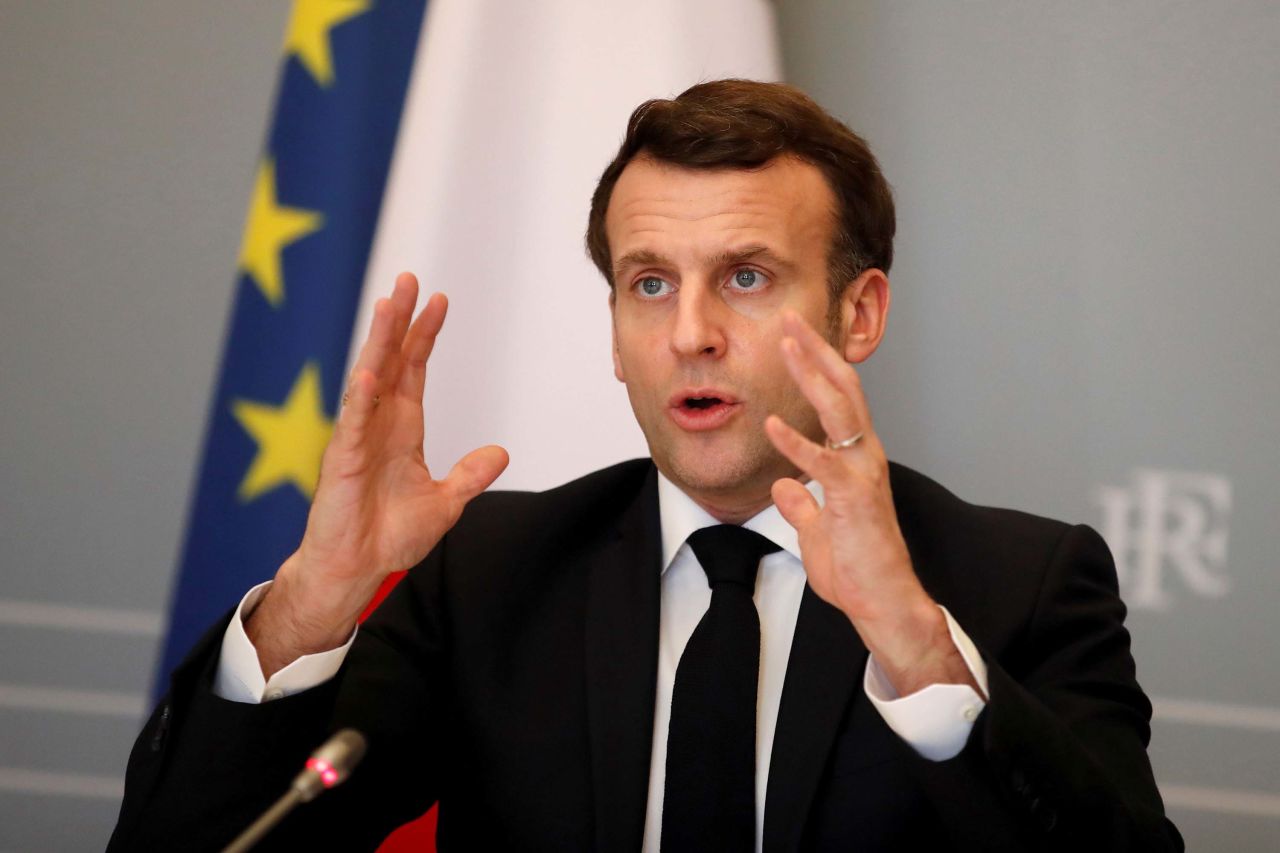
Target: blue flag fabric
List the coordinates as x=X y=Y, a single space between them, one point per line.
x=317 y=192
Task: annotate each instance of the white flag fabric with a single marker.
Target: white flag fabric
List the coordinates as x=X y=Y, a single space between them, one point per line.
x=513 y=111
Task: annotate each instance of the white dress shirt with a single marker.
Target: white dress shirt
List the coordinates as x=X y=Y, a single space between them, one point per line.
x=935 y=721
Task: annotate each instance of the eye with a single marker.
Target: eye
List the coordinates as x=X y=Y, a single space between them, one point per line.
x=748 y=279
x=652 y=286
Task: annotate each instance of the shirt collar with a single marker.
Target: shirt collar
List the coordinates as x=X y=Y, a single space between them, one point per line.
x=680 y=516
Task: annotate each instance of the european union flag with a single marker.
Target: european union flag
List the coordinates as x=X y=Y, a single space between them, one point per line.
x=316 y=196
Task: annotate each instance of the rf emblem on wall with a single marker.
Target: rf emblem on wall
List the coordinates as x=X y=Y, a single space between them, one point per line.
x=1166 y=528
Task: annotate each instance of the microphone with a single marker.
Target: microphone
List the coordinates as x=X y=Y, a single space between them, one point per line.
x=328 y=766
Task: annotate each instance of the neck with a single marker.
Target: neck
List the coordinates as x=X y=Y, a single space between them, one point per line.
x=730 y=511
x=736 y=505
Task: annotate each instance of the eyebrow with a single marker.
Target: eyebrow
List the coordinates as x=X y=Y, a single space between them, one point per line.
x=753 y=253
x=639 y=258
x=648 y=257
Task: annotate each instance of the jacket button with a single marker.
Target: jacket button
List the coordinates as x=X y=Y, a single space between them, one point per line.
x=1044 y=813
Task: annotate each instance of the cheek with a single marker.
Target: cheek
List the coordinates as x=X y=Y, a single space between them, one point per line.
x=635 y=346
x=764 y=360
x=774 y=385
x=635 y=365
x=618 y=372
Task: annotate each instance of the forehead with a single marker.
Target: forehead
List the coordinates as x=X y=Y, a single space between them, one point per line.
x=673 y=210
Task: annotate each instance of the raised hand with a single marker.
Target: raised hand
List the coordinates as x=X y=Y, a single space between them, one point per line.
x=377 y=508
x=854 y=554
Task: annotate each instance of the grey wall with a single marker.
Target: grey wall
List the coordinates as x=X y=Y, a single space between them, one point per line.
x=1085 y=286
x=1085 y=289
x=128 y=138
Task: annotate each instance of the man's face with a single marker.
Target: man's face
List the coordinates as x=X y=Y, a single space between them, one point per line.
x=705 y=262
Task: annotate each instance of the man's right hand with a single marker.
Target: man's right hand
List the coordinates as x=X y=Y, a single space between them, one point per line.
x=377 y=509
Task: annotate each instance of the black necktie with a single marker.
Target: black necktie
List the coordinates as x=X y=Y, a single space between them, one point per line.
x=708 y=802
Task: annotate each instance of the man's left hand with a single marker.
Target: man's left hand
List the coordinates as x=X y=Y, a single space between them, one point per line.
x=853 y=550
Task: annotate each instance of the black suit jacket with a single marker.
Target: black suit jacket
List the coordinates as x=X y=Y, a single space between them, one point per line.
x=511 y=677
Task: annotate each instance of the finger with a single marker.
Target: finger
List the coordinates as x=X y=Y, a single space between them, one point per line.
x=840 y=373
x=796 y=503
x=421 y=338
x=390 y=318
x=475 y=472
x=404 y=296
x=419 y=343
x=836 y=411
x=816 y=461
x=357 y=407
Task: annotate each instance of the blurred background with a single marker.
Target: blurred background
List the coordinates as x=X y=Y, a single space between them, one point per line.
x=1084 y=319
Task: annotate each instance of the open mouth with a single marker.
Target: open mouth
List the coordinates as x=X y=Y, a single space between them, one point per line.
x=701 y=402
x=702 y=409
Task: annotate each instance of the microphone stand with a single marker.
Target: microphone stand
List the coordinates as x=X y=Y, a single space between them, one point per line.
x=260 y=827
x=328 y=766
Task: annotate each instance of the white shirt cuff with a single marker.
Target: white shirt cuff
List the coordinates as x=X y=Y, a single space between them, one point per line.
x=239 y=676
x=935 y=720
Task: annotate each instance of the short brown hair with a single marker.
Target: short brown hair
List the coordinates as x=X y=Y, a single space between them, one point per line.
x=743 y=124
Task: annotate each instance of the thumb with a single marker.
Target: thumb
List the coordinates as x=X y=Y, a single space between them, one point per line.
x=795 y=502
x=476 y=471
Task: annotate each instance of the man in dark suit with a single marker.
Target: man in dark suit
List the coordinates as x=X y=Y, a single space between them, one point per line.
x=930 y=672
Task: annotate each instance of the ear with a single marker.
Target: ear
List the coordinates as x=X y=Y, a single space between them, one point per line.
x=864 y=310
x=613 y=330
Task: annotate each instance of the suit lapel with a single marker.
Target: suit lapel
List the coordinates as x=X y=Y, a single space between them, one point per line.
x=826 y=664
x=622 y=668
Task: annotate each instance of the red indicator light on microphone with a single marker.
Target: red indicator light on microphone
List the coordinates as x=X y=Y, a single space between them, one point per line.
x=327 y=774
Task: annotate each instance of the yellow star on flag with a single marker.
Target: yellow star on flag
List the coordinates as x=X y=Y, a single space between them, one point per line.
x=291 y=438
x=270 y=228
x=308 y=34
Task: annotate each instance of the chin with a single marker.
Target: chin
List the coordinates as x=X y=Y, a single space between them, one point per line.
x=718 y=472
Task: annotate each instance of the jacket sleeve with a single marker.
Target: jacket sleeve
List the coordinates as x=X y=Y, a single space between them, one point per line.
x=1057 y=760
x=204 y=768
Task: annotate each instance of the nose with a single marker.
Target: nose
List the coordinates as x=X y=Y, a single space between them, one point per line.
x=698 y=323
